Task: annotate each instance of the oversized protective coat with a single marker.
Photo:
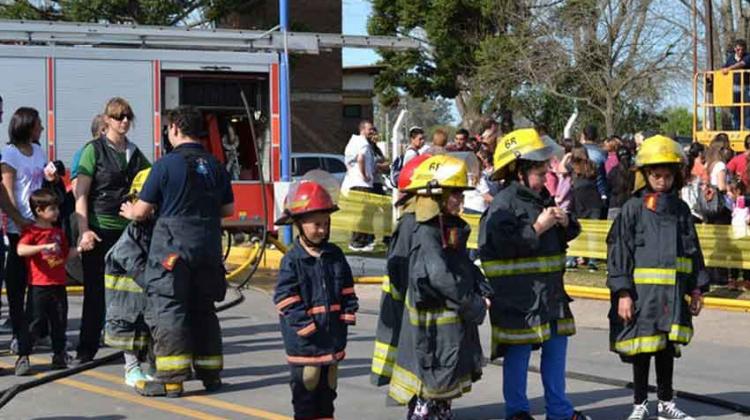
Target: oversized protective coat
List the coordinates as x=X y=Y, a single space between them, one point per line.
x=440 y=355
x=392 y=301
x=316 y=301
x=125 y=327
x=525 y=271
x=653 y=253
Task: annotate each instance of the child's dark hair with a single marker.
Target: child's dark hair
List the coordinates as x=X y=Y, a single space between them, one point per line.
x=677 y=172
x=41 y=199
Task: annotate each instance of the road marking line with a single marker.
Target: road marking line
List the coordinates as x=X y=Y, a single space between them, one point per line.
x=136 y=399
x=207 y=401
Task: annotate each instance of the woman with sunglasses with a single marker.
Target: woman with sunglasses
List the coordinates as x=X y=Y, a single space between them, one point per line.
x=107 y=167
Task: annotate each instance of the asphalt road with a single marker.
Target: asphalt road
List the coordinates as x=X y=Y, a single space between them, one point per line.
x=256 y=375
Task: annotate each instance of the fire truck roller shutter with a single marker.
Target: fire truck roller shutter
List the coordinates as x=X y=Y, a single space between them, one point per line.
x=83 y=86
x=23 y=83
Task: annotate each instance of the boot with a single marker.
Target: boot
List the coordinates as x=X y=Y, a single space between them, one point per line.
x=158 y=389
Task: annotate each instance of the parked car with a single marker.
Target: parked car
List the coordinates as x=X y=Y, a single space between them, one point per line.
x=334 y=164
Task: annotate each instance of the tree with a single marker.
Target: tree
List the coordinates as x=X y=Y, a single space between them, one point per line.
x=145 y=12
x=455 y=32
x=677 y=122
x=609 y=55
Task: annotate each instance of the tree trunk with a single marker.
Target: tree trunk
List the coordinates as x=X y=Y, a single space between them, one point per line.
x=471 y=113
x=609 y=116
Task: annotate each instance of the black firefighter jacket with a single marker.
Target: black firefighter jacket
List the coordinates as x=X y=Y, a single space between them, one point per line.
x=439 y=352
x=653 y=253
x=525 y=270
x=316 y=303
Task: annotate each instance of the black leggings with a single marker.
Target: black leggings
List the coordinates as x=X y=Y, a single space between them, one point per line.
x=664 y=372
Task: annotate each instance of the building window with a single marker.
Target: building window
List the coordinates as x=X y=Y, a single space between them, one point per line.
x=352 y=111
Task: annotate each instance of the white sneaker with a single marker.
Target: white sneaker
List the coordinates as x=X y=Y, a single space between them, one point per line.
x=368 y=248
x=667 y=410
x=354 y=248
x=640 y=411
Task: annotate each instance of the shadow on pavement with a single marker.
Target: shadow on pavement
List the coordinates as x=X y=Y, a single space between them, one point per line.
x=348 y=369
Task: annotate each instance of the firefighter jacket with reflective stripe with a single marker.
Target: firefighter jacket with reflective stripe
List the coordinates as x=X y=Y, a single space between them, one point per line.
x=316 y=303
x=525 y=270
x=125 y=326
x=653 y=254
x=392 y=301
x=439 y=353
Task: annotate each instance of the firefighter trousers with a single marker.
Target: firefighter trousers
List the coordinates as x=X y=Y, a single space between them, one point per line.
x=185 y=328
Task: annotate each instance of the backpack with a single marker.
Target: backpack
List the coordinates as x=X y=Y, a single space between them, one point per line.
x=397 y=165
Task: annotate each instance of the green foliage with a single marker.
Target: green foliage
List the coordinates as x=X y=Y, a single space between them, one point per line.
x=454 y=30
x=145 y=12
x=677 y=122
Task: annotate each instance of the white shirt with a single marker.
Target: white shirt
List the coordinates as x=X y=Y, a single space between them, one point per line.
x=29 y=177
x=410 y=154
x=358 y=146
x=474 y=199
x=715 y=170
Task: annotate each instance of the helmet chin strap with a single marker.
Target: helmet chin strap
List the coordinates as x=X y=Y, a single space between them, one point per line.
x=307 y=241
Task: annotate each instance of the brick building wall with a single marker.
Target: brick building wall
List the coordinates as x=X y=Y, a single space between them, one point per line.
x=316 y=102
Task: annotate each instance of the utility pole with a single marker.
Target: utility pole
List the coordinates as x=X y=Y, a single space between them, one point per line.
x=711 y=123
x=285 y=111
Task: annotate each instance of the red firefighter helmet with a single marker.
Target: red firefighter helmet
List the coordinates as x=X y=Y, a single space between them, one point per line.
x=404 y=178
x=303 y=198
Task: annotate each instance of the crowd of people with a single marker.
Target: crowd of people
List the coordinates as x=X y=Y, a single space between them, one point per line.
x=592 y=179
x=144 y=236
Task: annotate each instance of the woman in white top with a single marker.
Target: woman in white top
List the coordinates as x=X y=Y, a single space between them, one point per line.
x=23 y=172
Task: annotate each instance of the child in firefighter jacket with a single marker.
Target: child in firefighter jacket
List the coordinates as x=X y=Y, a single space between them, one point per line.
x=523 y=239
x=125 y=325
x=439 y=352
x=656 y=276
x=316 y=302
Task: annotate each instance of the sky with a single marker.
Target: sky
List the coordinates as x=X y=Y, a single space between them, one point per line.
x=355 y=23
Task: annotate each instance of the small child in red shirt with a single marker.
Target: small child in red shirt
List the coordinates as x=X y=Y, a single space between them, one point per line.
x=46 y=250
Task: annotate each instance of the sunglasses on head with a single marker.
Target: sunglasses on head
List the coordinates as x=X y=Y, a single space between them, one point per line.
x=121 y=117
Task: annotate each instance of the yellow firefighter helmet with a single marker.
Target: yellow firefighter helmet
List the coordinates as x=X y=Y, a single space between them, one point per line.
x=137 y=185
x=524 y=143
x=658 y=150
x=437 y=173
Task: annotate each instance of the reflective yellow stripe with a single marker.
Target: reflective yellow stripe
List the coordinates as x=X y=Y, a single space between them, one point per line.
x=649 y=344
x=660 y=276
x=684 y=265
x=550 y=264
x=126 y=342
x=404 y=385
x=566 y=326
x=680 y=334
x=180 y=362
x=532 y=335
x=383 y=359
x=427 y=317
x=121 y=283
x=387 y=288
x=209 y=362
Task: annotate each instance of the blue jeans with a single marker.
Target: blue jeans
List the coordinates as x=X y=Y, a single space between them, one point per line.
x=515 y=372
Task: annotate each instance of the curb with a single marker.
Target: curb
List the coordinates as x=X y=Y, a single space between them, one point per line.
x=602 y=293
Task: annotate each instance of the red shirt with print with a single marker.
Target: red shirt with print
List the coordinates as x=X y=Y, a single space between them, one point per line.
x=46 y=268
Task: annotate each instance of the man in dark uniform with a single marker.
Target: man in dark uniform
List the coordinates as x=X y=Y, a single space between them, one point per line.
x=188 y=191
